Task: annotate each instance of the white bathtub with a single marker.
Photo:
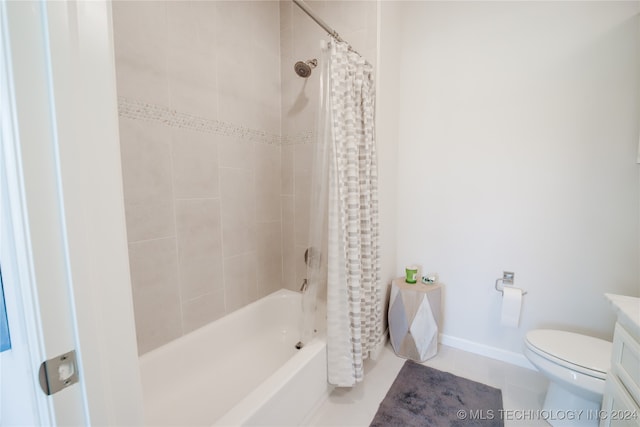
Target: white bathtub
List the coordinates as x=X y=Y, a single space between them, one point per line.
x=242 y=369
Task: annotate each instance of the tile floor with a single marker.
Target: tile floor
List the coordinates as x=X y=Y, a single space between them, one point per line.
x=522 y=389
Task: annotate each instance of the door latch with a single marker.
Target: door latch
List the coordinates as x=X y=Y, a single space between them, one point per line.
x=58 y=373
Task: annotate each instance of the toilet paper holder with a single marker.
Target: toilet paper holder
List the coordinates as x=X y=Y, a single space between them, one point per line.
x=507 y=280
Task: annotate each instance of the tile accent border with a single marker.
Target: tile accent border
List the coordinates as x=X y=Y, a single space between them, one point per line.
x=138 y=110
x=308 y=137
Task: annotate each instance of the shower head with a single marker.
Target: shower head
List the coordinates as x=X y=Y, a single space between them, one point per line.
x=303 y=69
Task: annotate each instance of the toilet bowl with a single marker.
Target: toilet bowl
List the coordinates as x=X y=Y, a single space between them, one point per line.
x=576 y=366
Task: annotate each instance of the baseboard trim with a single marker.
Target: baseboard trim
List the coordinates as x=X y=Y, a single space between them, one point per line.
x=487 y=351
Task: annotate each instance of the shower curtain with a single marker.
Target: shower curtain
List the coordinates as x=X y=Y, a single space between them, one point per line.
x=346 y=129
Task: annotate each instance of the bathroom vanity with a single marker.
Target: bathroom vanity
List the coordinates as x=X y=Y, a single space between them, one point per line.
x=621 y=400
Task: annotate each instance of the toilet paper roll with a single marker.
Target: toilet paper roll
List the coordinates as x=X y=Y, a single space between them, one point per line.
x=511 y=305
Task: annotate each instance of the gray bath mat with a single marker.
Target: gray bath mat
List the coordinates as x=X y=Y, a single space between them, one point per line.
x=423 y=396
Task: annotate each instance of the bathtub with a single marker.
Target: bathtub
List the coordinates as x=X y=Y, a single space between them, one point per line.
x=242 y=369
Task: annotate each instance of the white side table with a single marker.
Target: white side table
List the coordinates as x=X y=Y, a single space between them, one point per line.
x=414 y=319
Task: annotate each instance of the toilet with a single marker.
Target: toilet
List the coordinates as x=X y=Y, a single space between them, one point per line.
x=576 y=366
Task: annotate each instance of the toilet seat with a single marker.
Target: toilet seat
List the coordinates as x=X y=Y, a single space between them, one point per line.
x=587 y=355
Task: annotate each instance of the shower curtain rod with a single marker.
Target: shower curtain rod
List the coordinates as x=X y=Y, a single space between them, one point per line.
x=333 y=33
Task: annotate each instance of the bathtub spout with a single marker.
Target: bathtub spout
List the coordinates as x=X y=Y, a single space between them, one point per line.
x=304 y=286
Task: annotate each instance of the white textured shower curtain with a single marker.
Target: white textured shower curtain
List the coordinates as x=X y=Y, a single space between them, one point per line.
x=354 y=318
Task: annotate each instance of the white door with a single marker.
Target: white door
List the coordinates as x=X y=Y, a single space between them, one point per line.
x=63 y=255
x=34 y=258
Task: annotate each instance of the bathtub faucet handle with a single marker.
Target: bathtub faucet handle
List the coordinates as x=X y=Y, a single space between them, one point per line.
x=304 y=286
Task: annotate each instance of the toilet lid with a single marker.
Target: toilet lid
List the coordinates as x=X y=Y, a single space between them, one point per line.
x=587 y=352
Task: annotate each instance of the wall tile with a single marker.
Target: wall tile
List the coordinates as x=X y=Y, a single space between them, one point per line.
x=236 y=70
x=286 y=48
x=146 y=172
x=191 y=77
x=199 y=247
x=266 y=115
x=238 y=207
x=286 y=15
x=236 y=19
x=269 y=91
x=268 y=79
x=318 y=6
x=192 y=25
x=156 y=297
x=288 y=108
x=266 y=33
x=288 y=244
x=236 y=153
x=267 y=181
x=302 y=208
x=303 y=156
x=136 y=81
x=235 y=109
x=149 y=219
x=140 y=42
x=269 y=258
x=195 y=164
x=240 y=286
x=302 y=162
x=346 y=16
x=355 y=15
x=248 y=95
x=300 y=108
x=146 y=160
x=202 y=310
x=287 y=169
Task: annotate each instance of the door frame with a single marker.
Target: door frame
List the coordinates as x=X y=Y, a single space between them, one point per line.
x=68 y=204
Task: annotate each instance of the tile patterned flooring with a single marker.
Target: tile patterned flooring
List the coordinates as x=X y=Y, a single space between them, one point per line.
x=522 y=389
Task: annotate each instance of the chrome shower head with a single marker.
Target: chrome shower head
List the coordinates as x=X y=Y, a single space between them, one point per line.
x=303 y=69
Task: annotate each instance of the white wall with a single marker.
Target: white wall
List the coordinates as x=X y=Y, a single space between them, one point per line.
x=517 y=139
x=386 y=137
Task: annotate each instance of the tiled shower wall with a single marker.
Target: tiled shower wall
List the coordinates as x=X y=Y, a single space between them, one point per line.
x=216 y=152
x=199 y=103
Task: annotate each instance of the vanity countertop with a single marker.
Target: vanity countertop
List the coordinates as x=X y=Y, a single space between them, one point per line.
x=628 y=312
